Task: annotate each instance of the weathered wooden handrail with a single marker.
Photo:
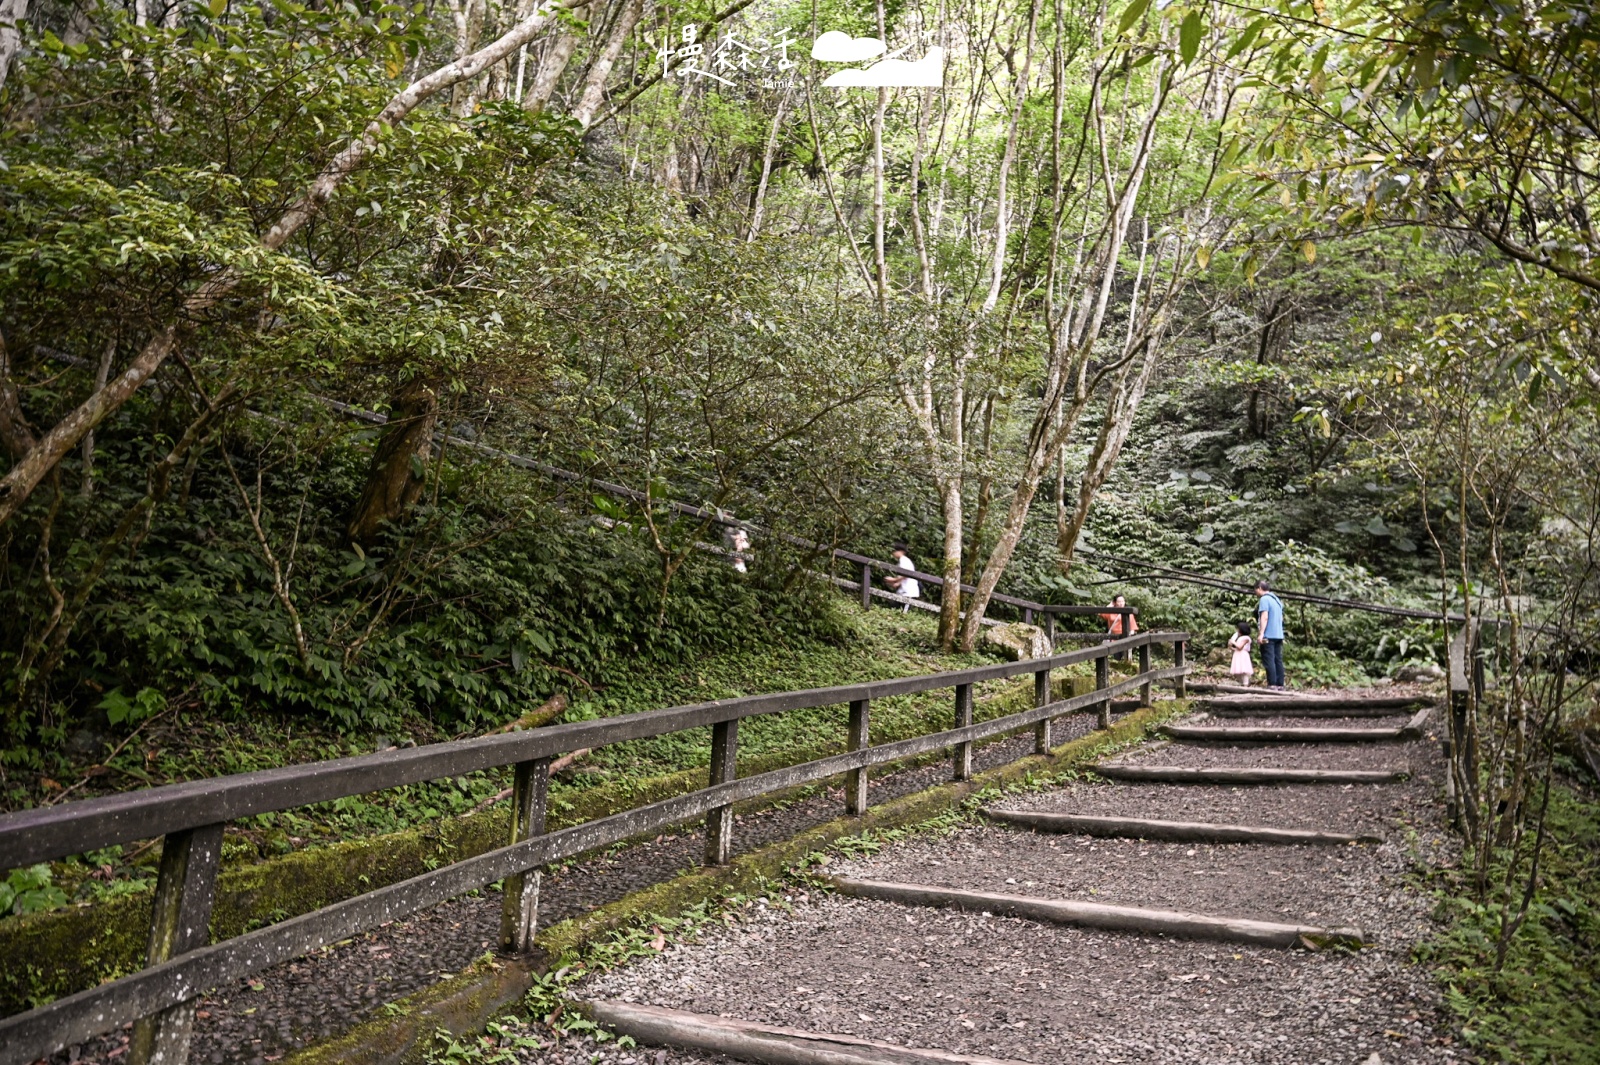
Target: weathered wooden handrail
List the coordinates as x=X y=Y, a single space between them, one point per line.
x=190 y=817
x=1465 y=682
x=690 y=510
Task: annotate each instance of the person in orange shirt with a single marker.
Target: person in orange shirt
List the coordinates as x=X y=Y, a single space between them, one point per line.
x=1114 y=621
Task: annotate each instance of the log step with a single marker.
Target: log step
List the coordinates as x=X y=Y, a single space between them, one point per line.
x=1172 y=774
x=1175 y=831
x=1265 y=708
x=766 y=1044
x=1101 y=915
x=1411 y=730
x=1208 y=734
x=1280 y=703
x=1232 y=689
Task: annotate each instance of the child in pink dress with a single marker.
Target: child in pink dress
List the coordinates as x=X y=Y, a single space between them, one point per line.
x=1241 y=668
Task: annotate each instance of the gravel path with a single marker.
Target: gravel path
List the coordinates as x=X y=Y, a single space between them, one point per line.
x=1333 y=885
x=1392 y=756
x=256 y=1021
x=1012 y=988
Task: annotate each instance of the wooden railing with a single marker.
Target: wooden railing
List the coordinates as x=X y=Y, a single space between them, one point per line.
x=181 y=965
x=1465 y=679
x=1028 y=607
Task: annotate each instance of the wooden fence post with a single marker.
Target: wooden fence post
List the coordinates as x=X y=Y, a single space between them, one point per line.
x=1102 y=669
x=1050 y=628
x=185 y=891
x=866 y=586
x=1041 y=696
x=1181 y=683
x=719 y=821
x=519 y=909
x=855 y=787
x=963 y=753
x=1452 y=809
x=1144 y=667
x=1027 y=615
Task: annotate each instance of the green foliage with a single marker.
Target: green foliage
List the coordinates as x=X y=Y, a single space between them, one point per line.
x=500 y=1044
x=1539 y=1005
x=30 y=891
x=121 y=710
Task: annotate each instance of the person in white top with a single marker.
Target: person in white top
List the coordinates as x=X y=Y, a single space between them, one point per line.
x=906 y=586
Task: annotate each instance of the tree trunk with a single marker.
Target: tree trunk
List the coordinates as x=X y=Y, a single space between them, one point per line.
x=469 y=18
x=16 y=435
x=553 y=65
x=13 y=13
x=950 y=601
x=594 y=83
x=1114 y=428
x=396 y=479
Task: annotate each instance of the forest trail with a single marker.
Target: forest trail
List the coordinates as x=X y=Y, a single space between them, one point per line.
x=1177 y=915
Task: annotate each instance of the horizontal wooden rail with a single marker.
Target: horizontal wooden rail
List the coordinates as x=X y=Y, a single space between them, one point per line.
x=155 y=991
x=45 y=833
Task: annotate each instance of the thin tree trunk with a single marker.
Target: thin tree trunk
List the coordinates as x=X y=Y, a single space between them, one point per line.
x=469 y=17
x=19 y=483
x=1069 y=361
x=13 y=16
x=395 y=480
x=101 y=373
x=594 y=84
x=759 y=207
x=551 y=67
x=16 y=434
x=1114 y=429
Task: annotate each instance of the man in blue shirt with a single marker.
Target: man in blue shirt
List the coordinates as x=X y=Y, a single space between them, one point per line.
x=1269 y=614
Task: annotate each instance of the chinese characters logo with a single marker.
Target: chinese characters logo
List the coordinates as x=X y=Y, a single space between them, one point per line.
x=733 y=56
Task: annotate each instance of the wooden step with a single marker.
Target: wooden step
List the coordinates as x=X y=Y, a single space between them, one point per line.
x=1208 y=734
x=1282 y=704
x=1175 y=831
x=1263 y=708
x=766 y=1044
x=1232 y=689
x=1172 y=774
x=1100 y=915
x=1250 y=734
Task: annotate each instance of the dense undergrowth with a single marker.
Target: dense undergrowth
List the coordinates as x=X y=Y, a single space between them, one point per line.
x=1538 y=1004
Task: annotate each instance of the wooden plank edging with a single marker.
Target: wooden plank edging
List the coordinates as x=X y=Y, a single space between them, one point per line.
x=765 y=1044
x=1101 y=915
x=1251 y=734
x=1280 y=702
x=1175 y=831
x=1171 y=774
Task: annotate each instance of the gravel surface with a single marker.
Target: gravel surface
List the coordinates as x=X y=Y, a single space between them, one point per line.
x=257 y=1020
x=1391 y=756
x=1339 y=886
x=1012 y=988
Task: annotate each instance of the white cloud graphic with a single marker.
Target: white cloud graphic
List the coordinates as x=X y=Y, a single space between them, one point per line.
x=927 y=72
x=836 y=47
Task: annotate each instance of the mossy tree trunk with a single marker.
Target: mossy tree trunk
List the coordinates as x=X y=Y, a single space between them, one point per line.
x=395 y=481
